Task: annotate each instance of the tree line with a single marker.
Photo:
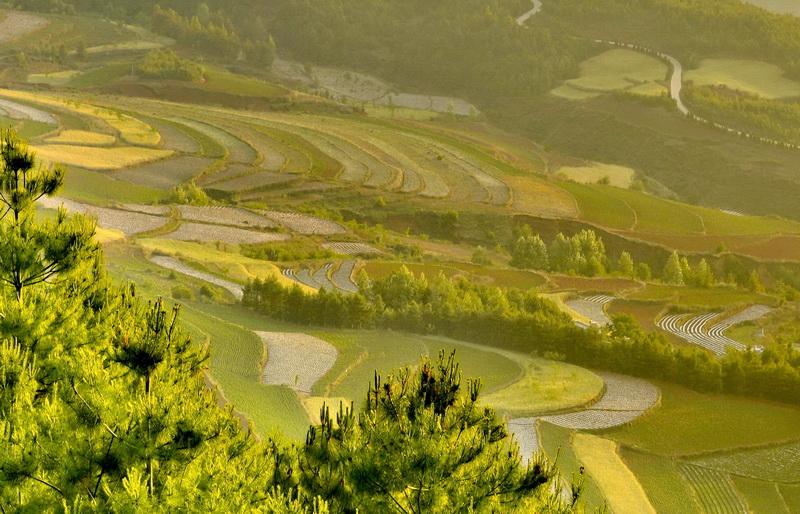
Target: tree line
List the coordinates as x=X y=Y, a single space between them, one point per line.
x=104 y=404
x=522 y=321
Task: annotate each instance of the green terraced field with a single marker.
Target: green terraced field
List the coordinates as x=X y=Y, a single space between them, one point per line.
x=715 y=490
x=556 y=442
x=667 y=489
x=680 y=426
x=657 y=215
x=777 y=464
x=761 y=497
x=699 y=297
x=597 y=207
x=791 y=495
x=757 y=77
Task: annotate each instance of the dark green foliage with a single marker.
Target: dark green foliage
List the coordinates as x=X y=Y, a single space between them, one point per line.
x=165 y=64
x=479 y=50
x=460 y=456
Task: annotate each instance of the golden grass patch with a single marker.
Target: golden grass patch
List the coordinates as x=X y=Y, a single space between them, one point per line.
x=761 y=78
x=94 y=158
x=313 y=405
x=617 y=483
x=546 y=386
x=81 y=138
x=618 y=176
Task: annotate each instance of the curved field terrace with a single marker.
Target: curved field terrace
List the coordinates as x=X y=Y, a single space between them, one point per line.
x=296 y=360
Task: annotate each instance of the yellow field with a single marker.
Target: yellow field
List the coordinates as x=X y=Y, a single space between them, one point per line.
x=761 y=78
x=81 y=138
x=94 y=158
x=234 y=266
x=58 y=78
x=618 y=485
x=313 y=404
x=107 y=235
x=533 y=195
x=570 y=93
x=546 y=386
x=130 y=129
x=616 y=70
x=619 y=176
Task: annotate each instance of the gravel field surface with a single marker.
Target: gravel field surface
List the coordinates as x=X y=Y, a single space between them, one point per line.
x=342 y=278
x=23 y=112
x=216 y=233
x=175 y=265
x=526 y=435
x=225 y=216
x=304 y=223
x=296 y=360
x=17 y=24
x=351 y=248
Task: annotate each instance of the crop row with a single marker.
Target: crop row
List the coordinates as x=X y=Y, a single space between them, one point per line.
x=777 y=464
x=351 y=248
x=714 y=489
x=693 y=330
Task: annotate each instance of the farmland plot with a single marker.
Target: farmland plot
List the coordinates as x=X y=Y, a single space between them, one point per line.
x=618 y=485
x=497 y=191
x=428 y=182
x=238 y=150
x=355 y=167
x=19 y=111
x=591 y=308
x=175 y=265
x=304 y=277
x=625 y=399
x=761 y=497
x=715 y=490
x=216 y=233
x=351 y=248
x=129 y=223
x=81 y=138
x=304 y=223
x=156 y=210
x=342 y=277
x=321 y=277
x=296 y=360
x=694 y=331
x=174 y=139
x=666 y=488
x=225 y=216
x=253 y=181
x=776 y=464
x=165 y=174
x=100 y=159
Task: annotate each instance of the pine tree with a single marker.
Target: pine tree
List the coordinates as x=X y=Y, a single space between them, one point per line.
x=673 y=273
x=625 y=265
x=456 y=453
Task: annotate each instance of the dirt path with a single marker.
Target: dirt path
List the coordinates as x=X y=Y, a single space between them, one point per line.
x=17 y=24
x=537 y=7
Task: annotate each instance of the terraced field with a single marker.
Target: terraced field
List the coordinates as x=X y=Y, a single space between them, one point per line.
x=296 y=360
x=695 y=329
x=715 y=490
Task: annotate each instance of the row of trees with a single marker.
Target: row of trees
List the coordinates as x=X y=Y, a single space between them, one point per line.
x=585 y=254
x=104 y=406
x=522 y=321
